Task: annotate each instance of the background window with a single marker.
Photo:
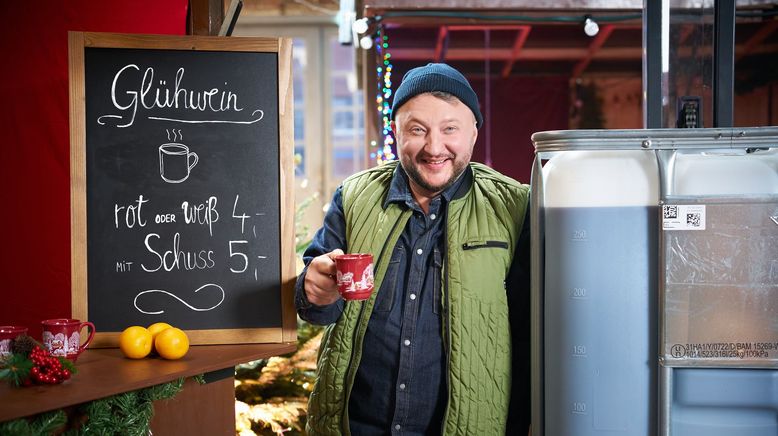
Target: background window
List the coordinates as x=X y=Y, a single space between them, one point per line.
x=328 y=110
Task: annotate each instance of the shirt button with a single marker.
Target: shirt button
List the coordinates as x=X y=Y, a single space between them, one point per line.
x=433 y=216
x=419 y=251
x=402 y=386
x=407 y=342
x=397 y=427
x=413 y=296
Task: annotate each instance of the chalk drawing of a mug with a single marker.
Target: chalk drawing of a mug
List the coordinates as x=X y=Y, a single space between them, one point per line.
x=175 y=162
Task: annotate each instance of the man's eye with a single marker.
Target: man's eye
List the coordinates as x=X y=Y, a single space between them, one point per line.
x=450 y=129
x=417 y=130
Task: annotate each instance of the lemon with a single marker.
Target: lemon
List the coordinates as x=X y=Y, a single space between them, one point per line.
x=135 y=342
x=172 y=343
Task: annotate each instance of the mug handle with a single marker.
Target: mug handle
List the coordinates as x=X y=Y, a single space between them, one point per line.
x=91 y=335
x=194 y=155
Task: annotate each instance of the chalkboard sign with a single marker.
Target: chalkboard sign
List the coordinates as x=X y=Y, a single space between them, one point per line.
x=181 y=185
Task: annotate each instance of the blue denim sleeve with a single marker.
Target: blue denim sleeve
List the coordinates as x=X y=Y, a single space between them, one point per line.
x=330 y=236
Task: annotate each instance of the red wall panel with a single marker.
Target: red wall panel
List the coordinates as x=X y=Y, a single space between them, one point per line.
x=35 y=160
x=518 y=107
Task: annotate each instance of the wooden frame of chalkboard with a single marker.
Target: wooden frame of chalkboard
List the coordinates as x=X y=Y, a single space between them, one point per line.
x=182 y=199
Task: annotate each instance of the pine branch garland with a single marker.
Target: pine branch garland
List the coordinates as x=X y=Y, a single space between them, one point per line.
x=48 y=423
x=128 y=413
x=19 y=427
x=41 y=425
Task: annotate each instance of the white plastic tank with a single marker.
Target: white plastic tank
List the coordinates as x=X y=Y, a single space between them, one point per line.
x=600 y=210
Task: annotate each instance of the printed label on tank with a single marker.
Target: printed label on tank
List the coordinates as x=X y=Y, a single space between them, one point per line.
x=724 y=350
x=683 y=217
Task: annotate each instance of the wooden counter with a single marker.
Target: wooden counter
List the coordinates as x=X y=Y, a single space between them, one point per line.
x=106 y=372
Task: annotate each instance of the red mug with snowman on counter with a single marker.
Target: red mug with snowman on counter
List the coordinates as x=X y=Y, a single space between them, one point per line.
x=62 y=337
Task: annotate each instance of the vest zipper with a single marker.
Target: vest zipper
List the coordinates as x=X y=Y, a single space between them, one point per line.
x=484 y=244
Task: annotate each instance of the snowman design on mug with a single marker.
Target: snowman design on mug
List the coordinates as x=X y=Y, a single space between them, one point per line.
x=59 y=345
x=347 y=279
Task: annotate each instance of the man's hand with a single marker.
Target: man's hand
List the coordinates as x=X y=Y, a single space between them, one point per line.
x=321 y=285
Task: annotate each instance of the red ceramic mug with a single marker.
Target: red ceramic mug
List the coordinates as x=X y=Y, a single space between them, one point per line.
x=354 y=276
x=7 y=334
x=62 y=337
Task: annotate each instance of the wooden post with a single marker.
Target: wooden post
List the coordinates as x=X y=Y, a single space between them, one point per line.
x=205 y=17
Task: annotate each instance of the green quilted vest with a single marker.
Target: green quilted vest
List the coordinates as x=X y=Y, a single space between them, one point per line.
x=482 y=230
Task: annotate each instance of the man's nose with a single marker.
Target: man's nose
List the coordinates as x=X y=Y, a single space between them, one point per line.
x=436 y=143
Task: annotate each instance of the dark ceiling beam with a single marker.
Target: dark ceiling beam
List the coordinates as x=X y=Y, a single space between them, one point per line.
x=504 y=54
x=521 y=38
x=596 y=44
x=440 y=49
x=548 y=54
x=441 y=45
x=757 y=38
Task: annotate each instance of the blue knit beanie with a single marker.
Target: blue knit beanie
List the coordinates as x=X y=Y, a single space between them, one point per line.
x=436 y=77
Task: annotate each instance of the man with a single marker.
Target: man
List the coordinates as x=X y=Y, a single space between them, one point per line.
x=430 y=351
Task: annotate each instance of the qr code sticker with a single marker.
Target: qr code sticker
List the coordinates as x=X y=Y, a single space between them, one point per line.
x=683 y=217
x=693 y=219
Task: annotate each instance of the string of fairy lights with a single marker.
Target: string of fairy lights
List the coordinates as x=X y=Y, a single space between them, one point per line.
x=384 y=152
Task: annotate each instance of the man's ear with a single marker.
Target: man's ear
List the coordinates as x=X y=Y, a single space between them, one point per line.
x=393 y=126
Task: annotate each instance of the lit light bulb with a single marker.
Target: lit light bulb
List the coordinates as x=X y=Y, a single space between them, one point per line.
x=590 y=27
x=360 y=26
x=366 y=42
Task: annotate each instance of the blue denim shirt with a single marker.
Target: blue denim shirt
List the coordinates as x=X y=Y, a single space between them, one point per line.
x=400 y=385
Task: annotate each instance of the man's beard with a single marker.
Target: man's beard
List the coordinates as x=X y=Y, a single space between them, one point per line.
x=414 y=174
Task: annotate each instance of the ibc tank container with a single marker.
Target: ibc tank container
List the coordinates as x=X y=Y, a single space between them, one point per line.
x=598 y=356
x=720 y=293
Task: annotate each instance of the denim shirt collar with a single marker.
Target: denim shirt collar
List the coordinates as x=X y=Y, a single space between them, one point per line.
x=400 y=188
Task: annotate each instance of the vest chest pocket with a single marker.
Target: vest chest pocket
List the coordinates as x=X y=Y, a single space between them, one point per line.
x=475 y=245
x=385 y=296
x=484 y=267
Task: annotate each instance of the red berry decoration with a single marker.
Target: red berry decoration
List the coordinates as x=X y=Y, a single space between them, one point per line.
x=47 y=369
x=33 y=365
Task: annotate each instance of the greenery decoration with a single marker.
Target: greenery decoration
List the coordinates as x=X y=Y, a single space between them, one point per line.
x=16 y=369
x=42 y=425
x=272 y=394
x=301 y=231
x=128 y=414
